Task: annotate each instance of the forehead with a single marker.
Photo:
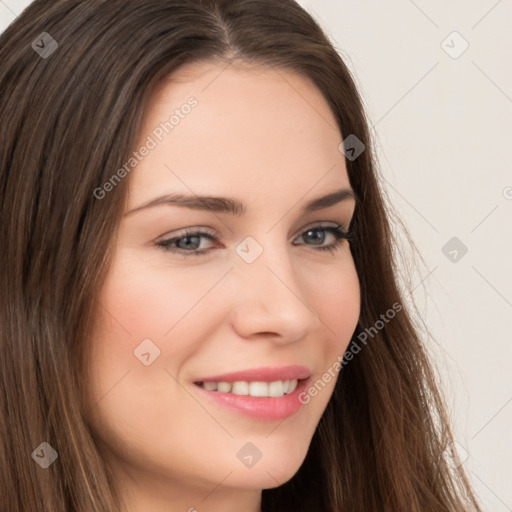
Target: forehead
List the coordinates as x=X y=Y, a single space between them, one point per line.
x=252 y=128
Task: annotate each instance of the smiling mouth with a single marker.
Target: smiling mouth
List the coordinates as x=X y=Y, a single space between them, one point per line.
x=264 y=400
x=273 y=389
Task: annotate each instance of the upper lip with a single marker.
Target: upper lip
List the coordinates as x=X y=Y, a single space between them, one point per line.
x=262 y=374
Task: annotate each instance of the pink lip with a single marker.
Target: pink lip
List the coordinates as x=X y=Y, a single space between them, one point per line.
x=263 y=374
x=259 y=407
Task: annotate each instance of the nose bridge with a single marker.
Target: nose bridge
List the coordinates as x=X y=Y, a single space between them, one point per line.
x=270 y=297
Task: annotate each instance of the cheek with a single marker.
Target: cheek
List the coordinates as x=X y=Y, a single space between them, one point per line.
x=143 y=301
x=138 y=302
x=337 y=303
x=149 y=301
x=335 y=297
x=140 y=311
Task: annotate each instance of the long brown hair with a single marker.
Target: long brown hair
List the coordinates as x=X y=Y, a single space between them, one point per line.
x=71 y=103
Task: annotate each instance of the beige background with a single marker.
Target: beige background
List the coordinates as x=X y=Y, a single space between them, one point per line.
x=443 y=128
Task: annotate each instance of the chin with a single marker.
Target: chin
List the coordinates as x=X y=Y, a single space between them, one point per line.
x=270 y=471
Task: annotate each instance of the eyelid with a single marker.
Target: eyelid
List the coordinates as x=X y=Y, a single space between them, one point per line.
x=185 y=231
x=322 y=223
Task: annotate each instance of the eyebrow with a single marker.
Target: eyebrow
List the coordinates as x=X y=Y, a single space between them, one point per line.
x=233 y=206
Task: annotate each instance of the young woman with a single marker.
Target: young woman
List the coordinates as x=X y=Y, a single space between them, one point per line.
x=199 y=305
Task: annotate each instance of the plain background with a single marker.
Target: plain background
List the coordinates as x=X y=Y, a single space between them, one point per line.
x=442 y=123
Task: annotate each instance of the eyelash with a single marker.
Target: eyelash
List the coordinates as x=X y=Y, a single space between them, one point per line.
x=339 y=233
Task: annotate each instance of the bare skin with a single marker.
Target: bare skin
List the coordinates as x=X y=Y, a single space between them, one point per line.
x=269 y=140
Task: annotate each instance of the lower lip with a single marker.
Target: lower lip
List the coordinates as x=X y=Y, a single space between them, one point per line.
x=260 y=407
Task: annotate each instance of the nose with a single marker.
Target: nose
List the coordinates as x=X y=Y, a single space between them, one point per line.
x=271 y=299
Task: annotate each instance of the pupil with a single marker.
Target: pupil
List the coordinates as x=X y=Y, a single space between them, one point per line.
x=188 y=238
x=320 y=235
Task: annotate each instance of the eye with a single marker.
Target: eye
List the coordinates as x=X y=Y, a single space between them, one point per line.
x=189 y=242
x=337 y=232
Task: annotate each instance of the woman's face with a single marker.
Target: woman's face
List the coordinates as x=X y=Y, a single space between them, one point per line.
x=262 y=295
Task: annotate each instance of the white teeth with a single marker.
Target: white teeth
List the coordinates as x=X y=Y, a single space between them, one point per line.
x=258 y=388
x=240 y=388
x=276 y=388
x=270 y=389
x=224 y=387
